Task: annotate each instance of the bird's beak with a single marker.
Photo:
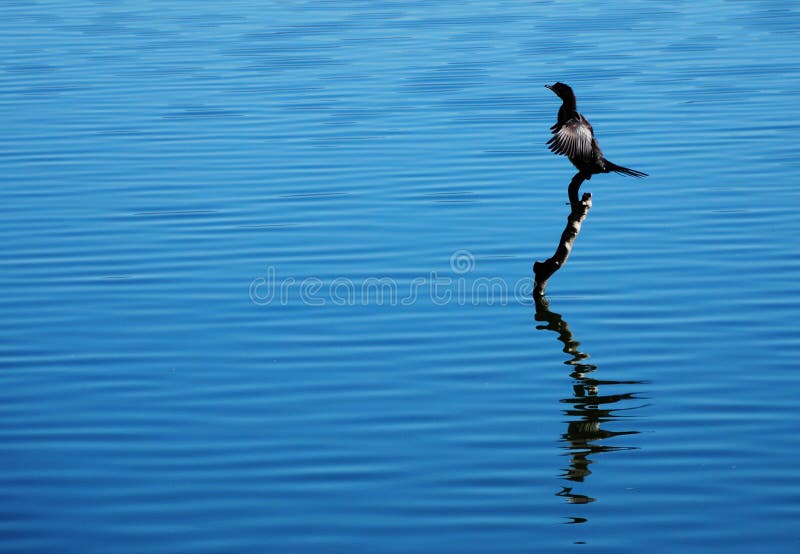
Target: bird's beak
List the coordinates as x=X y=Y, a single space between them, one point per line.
x=549 y=87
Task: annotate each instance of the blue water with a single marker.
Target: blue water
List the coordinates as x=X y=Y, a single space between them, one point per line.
x=266 y=278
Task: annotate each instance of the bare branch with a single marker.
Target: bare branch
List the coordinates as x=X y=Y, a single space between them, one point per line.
x=579 y=210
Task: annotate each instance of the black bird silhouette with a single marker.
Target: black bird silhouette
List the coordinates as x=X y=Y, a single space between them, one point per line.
x=573 y=137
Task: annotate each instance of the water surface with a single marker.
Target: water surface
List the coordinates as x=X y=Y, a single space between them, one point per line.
x=266 y=278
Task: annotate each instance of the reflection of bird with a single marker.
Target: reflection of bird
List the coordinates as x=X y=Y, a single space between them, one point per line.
x=573 y=137
x=588 y=410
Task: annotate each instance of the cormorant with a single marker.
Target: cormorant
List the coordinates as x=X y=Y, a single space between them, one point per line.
x=573 y=137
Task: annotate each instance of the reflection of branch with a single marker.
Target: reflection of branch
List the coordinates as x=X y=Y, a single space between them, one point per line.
x=587 y=410
x=544 y=270
x=556 y=323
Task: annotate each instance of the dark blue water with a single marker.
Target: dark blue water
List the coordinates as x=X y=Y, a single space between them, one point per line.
x=266 y=278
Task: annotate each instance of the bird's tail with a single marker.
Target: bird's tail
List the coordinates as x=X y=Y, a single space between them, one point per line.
x=624 y=170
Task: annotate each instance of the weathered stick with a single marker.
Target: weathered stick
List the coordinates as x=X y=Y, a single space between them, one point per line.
x=574 y=187
x=579 y=210
x=587 y=409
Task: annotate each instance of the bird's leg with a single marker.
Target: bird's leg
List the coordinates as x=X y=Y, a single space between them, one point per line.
x=574 y=187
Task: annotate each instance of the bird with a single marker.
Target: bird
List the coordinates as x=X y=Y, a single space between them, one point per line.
x=573 y=137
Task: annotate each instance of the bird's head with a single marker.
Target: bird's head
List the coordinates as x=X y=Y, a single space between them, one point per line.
x=563 y=91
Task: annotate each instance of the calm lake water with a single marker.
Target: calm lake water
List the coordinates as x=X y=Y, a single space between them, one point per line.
x=266 y=278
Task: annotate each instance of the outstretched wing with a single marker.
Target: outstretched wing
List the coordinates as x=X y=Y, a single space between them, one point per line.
x=574 y=139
